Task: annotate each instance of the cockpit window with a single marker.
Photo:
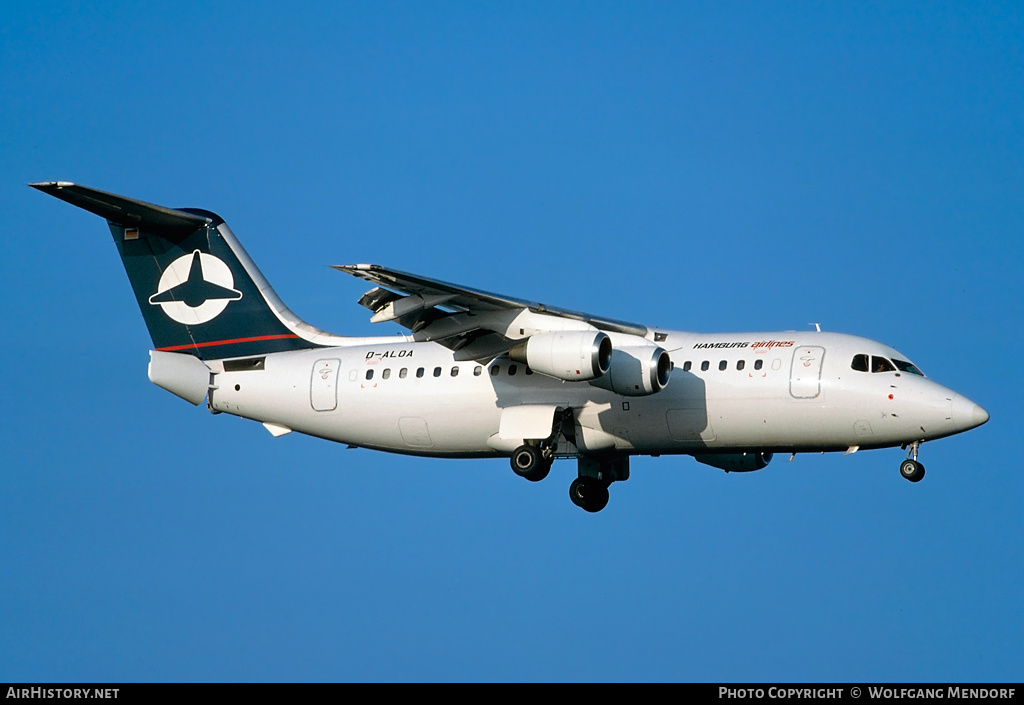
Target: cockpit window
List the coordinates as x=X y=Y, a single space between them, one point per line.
x=880 y=364
x=904 y=366
x=874 y=363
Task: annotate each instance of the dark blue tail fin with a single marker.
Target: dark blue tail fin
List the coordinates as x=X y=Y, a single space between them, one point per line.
x=198 y=290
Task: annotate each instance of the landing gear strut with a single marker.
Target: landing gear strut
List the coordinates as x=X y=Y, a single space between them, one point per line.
x=910 y=468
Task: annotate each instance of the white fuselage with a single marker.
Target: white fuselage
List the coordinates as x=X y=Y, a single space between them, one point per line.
x=781 y=391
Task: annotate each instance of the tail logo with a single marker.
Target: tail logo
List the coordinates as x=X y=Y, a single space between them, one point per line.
x=195 y=288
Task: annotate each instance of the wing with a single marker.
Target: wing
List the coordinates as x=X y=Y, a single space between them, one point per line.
x=478 y=325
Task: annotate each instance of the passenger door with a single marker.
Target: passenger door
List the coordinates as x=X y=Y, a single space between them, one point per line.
x=323 y=385
x=805 y=373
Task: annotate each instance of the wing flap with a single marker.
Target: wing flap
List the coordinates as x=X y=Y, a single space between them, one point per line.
x=377 y=298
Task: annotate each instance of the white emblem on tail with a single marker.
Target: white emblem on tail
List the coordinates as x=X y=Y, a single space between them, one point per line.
x=195 y=288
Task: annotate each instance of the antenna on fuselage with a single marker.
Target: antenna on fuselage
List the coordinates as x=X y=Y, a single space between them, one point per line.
x=817 y=326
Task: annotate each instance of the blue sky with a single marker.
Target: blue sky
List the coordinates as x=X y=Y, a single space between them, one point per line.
x=701 y=166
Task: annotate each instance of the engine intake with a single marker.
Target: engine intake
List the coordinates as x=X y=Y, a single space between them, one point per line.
x=637 y=370
x=575 y=356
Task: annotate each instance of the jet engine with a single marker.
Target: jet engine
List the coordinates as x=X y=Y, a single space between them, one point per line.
x=575 y=356
x=736 y=462
x=637 y=370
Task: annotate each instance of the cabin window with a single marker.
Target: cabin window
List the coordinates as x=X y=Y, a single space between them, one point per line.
x=386 y=373
x=704 y=366
x=758 y=364
x=860 y=363
x=437 y=371
x=512 y=369
x=369 y=374
x=880 y=364
x=495 y=370
x=740 y=364
x=722 y=365
x=477 y=370
x=455 y=371
x=419 y=372
x=403 y=372
x=687 y=365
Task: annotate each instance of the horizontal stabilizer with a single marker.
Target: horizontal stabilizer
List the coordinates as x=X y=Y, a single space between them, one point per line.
x=121 y=210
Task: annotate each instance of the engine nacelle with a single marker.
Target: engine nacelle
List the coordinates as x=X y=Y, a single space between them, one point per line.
x=736 y=462
x=637 y=370
x=575 y=356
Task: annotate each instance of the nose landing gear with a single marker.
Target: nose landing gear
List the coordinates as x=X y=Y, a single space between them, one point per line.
x=910 y=468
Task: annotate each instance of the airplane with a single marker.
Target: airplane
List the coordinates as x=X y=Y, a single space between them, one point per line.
x=482 y=375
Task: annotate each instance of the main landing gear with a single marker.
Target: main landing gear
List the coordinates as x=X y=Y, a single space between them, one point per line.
x=910 y=468
x=589 y=491
x=532 y=462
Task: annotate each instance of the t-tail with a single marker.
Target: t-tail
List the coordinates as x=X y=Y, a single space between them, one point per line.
x=197 y=288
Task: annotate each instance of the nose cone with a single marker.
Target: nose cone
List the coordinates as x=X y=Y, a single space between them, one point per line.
x=967 y=414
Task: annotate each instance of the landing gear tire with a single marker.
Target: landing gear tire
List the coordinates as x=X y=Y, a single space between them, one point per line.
x=912 y=470
x=588 y=494
x=528 y=462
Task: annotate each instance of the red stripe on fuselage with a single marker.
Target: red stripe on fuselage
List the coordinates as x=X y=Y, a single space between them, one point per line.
x=227 y=342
